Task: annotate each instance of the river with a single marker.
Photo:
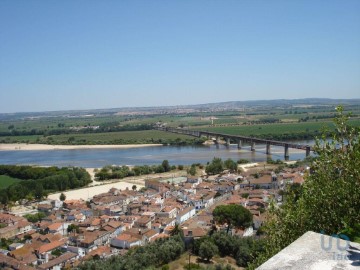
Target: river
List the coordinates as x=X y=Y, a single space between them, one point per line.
x=185 y=155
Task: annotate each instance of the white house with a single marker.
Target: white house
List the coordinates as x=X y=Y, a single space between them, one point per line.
x=126 y=241
x=185 y=214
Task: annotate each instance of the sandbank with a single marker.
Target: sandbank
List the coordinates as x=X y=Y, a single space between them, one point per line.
x=89 y=192
x=36 y=147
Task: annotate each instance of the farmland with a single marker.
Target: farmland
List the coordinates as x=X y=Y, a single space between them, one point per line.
x=263 y=130
x=283 y=120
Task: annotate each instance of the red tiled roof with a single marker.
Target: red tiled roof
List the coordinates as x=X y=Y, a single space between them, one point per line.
x=51 y=246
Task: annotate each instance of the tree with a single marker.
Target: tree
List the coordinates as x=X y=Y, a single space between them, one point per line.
x=39 y=191
x=230 y=165
x=329 y=200
x=216 y=166
x=192 y=170
x=62 y=197
x=165 y=164
x=35 y=217
x=134 y=187
x=73 y=228
x=243 y=161
x=232 y=215
x=208 y=250
x=176 y=230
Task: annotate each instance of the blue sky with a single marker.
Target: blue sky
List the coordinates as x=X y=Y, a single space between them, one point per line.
x=57 y=55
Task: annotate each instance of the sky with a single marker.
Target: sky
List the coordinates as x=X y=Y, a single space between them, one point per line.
x=62 y=55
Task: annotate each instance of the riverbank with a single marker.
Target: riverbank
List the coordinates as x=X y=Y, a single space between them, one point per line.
x=35 y=147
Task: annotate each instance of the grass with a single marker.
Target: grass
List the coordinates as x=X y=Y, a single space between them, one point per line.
x=6 y=181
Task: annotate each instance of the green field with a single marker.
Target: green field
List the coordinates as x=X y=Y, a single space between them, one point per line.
x=273 y=122
x=277 y=129
x=6 y=181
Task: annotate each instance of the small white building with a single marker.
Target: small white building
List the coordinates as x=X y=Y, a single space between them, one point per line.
x=185 y=214
x=126 y=241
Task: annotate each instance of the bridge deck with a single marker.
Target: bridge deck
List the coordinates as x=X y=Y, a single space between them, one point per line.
x=198 y=133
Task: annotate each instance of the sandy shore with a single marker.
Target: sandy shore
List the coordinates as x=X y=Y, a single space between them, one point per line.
x=90 y=192
x=247 y=166
x=34 y=147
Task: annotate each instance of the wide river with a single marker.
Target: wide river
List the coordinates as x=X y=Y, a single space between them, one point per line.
x=185 y=155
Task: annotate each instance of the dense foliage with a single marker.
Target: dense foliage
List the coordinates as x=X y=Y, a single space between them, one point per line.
x=216 y=166
x=155 y=254
x=104 y=127
x=329 y=200
x=35 y=217
x=233 y=215
x=119 y=172
x=38 y=181
x=242 y=249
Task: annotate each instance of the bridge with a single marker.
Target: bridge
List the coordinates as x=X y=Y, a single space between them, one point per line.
x=240 y=140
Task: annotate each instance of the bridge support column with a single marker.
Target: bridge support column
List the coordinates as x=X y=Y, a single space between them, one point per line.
x=227 y=141
x=268 y=149
x=239 y=144
x=286 y=153
x=217 y=140
x=252 y=146
x=307 y=151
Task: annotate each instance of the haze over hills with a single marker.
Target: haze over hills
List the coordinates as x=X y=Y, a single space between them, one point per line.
x=194 y=108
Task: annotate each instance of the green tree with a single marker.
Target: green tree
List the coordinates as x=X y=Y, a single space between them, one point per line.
x=39 y=191
x=35 y=217
x=208 y=250
x=192 y=170
x=230 y=165
x=243 y=161
x=165 y=164
x=329 y=200
x=233 y=215
x=62 y=197
x=177 y=230
x=73 y=228
x=216 y=166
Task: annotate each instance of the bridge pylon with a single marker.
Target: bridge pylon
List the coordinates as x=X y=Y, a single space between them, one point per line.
x=239 y=144
x=253 y=146
x=268 y=148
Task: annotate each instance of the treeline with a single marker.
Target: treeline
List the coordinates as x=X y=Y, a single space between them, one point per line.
x=38 y=181
x=72 y=140
x=105 y=127
x=119 y=172
x=152 y=255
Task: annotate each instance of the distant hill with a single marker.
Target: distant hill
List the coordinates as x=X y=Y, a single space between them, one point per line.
x=208 y=107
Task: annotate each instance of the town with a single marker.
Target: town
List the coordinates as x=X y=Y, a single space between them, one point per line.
x=65 y=232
